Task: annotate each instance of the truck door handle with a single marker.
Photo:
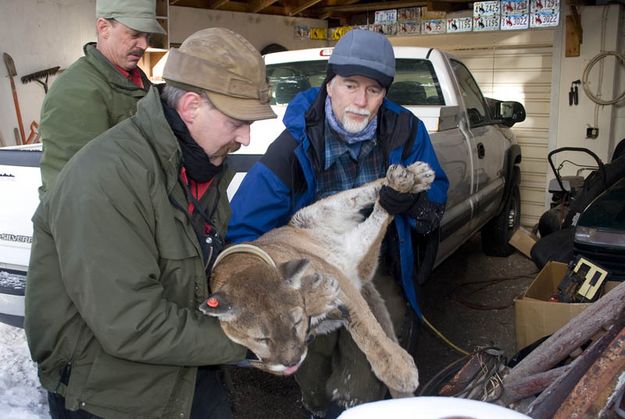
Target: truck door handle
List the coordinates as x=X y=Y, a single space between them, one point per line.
x=481 y=151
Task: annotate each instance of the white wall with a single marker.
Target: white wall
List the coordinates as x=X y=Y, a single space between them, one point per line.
x=573 y=120
x=38 y=34
x=259 y=29
x=618 y=127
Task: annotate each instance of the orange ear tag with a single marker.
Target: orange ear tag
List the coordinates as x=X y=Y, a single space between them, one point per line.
x=212 y=302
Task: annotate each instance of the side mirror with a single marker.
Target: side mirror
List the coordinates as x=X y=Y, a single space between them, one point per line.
x=511 y=112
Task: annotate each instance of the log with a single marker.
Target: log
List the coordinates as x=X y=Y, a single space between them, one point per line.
x=528 y=386
x=546 y=405
x=597 y=387
x=577 y=331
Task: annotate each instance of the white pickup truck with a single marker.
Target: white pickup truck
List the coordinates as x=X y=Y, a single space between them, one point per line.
x=471 y=135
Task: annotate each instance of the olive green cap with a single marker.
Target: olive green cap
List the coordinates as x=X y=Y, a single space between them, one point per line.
x=139 y=15
x=227 y=67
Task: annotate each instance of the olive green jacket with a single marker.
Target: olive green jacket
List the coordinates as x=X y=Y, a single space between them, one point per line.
x=116 y=276
x=87 y=99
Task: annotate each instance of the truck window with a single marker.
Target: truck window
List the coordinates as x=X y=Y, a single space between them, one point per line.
x=288 y=79
x=415 y=84
x=471 y=94
x=415 y=81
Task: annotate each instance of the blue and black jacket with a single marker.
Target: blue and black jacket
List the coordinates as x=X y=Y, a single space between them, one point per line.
x=284 y=180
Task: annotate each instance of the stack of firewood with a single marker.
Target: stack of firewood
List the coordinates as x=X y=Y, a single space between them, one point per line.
x=592 y=384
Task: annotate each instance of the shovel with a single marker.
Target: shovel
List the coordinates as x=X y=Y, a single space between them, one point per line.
x=8 y=61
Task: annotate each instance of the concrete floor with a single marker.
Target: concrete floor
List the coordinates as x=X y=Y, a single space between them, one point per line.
x=451 y=302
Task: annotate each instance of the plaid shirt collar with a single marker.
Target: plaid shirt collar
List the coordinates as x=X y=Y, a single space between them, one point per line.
x=335 y=148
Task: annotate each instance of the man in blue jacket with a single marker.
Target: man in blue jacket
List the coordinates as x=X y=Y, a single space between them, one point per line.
x=340 y=136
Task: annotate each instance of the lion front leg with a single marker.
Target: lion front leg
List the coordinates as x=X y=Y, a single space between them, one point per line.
x=338 y=212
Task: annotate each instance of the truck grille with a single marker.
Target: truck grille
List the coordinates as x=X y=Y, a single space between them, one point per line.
x=12 y=282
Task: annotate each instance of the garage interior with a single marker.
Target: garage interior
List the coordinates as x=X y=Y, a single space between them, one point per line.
x=537 y=67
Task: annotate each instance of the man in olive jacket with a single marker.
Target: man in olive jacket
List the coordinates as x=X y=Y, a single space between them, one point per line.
x=100 y=89
x=124 y=241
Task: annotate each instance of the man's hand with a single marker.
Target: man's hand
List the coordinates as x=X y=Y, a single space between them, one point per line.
x=427 y=214
x=396 y=203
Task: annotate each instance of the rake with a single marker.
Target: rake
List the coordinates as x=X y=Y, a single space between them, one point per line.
x=41 y=77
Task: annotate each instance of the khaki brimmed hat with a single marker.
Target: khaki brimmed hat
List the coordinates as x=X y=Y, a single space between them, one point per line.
x=227 y=67
x=139 y=15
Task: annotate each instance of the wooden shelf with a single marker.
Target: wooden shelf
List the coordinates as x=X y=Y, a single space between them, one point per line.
x=159 y=43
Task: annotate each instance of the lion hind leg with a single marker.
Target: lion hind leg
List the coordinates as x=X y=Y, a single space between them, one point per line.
x=389 y=361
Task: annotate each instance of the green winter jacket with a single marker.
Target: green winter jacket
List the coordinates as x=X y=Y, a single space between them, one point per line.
x=87 y=99
x=116 y=276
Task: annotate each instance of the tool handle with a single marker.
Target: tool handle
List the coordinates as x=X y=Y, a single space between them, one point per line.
x=18 y=113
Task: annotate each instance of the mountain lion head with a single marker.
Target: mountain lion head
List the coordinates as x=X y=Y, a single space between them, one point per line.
x=270 y=310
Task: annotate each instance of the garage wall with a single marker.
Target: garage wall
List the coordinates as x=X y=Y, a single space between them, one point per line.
x=260 y=30
x=40 y=34
x=32 y=34
x=512 y=66
x=603 y=31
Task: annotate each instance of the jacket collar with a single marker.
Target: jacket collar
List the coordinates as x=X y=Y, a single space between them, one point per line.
x=305 y=119
x=151 y=121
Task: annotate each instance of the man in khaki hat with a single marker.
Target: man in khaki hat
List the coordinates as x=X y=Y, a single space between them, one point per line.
x=124 y=240
x=101 y=88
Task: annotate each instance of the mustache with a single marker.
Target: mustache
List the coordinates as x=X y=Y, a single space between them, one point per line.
x=357 y=111
x=138 y=52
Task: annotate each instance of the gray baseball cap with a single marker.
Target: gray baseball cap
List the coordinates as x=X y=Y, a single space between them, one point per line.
x=139 y=15
x=364 y=53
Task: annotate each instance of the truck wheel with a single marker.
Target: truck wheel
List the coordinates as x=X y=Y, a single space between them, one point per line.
x=498 y=231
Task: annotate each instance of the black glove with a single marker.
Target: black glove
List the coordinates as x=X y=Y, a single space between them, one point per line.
x=426 y=213
x=397 y=202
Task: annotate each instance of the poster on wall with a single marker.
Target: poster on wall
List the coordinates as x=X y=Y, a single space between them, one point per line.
x=409 y=21
x=409 y=14
x=385 y=16
x=514 y=15
x=544 y=13
x=318 y=34
x=409 y=28
x=486 y=16
x=459 y=24
x=433 y=26
x=335 y=34
x=302 y=31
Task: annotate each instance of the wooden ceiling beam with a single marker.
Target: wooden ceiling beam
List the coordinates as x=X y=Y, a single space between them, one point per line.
x=293 y=10
x=445 y=6
x=372 y=6
x=258 y=5
x=216 y=4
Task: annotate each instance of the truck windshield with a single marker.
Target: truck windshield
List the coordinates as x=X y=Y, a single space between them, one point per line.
x=415 y=81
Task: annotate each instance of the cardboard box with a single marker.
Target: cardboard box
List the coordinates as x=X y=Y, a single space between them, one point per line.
x=535 y=315
x=523 y=241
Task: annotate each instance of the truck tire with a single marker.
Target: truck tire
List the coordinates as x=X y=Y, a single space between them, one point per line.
x=498 y=231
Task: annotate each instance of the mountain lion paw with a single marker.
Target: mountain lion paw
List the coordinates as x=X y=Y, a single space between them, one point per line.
x=415 y=178
x=401 y=374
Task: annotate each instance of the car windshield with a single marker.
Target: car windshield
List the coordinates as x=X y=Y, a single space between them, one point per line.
x=415 y=81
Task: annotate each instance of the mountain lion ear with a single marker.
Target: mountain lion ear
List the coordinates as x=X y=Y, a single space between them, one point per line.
x=217 y=305
x=293 y=271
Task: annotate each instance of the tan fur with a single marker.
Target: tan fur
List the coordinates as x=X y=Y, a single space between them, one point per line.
x=326 y=258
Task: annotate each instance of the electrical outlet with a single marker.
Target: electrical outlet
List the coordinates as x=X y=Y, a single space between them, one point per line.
x=592 y=133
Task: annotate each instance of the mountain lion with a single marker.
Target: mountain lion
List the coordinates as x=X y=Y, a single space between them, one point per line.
x=313 y=276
